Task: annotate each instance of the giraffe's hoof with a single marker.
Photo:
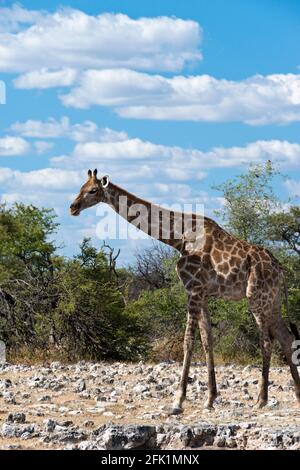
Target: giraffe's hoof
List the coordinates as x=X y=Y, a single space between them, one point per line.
x=261 y=404
x=208 y=405
x=176 y=410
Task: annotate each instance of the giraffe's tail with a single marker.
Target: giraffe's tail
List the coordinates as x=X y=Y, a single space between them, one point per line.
x=293 y=326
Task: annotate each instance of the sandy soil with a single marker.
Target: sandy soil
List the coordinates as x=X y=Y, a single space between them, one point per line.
x=80 y=398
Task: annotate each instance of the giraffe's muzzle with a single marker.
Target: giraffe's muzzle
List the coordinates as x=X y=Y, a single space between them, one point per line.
x=75 y=209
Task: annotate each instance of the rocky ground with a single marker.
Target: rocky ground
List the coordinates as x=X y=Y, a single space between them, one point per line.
x=118 y=405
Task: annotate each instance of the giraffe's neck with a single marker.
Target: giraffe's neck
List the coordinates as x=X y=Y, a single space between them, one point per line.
x=148 y=217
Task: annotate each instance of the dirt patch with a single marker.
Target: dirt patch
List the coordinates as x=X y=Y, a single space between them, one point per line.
x=73 y=406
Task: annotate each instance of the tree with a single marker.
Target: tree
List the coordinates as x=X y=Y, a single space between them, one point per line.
x=284 y=227
x=249 y=201
x=154 y=267
x=90 y=318
x=72 y=306
x=27 y=265
x=163 y=313
x=25 y=242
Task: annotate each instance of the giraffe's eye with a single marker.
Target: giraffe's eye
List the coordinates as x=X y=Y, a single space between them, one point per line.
x=93 y=191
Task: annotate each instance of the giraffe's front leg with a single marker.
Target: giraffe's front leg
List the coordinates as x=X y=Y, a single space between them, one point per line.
x=189 y=339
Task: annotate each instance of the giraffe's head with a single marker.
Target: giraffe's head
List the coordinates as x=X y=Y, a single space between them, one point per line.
x=90 y=193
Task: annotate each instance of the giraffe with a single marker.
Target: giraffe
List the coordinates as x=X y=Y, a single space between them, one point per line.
x=212 y=263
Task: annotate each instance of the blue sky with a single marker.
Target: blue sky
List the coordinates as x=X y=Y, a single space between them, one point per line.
x=179 y=96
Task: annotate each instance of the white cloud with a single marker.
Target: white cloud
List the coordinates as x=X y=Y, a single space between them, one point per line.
x=49 y=179
x=5 y=175
x=98 y=56
x=42 y=129
x=14 y=17
x=257 y=100
x=117 y=88
x=159 y=173
x=283 y=152
x=28 y=198
x=70 y=38
x=53 y=128
x=135 y=156
x=155 y=178
x=126 y=149
x=173 y=190
x=168 y=171
x=108 y=135
x=293 y=187
x=48 y=187
x=42 y=147
x=11 y=146
x=45 y=78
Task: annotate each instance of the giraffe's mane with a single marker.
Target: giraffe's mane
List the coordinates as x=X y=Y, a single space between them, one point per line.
x=140 y=200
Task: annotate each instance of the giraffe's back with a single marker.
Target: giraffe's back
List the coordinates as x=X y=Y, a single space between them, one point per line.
x=223 y=265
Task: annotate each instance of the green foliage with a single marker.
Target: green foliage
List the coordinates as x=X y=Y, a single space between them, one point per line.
x=235 y=331
x=90 y=317
x=48 y=302
x=249 y=200
x=24 y=239
x=284 y=228
x=163 y=310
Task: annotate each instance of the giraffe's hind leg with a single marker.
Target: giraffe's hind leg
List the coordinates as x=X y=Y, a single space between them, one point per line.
x=266 y=344
x=285 y=339
x=263 y=314
x=189 y=340
x=207 y=343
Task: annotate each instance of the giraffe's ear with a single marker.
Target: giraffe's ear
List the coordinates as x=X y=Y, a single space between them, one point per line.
x=105 y=181
x=90 y=173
